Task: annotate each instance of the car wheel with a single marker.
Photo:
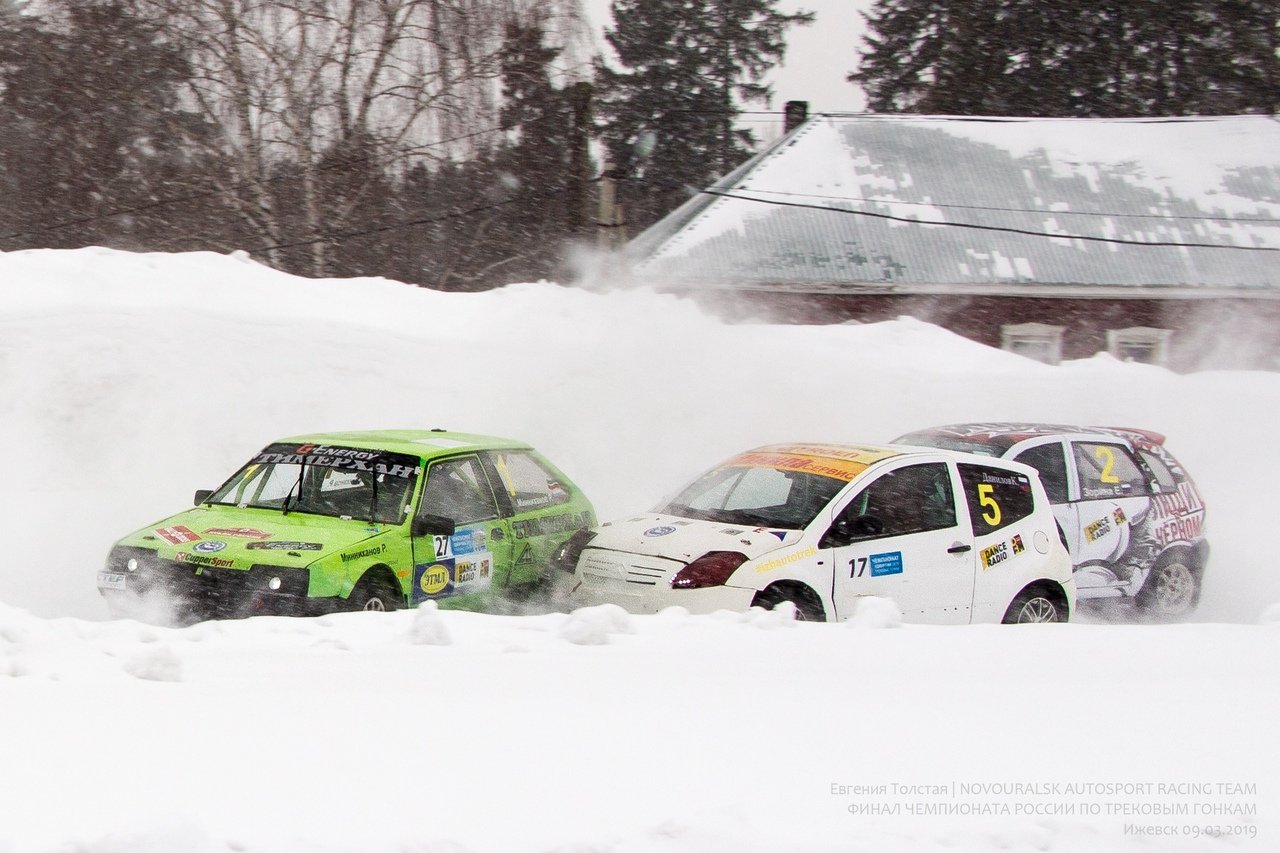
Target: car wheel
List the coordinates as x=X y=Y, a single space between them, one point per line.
x=374 y=594
x=1171 y=592
x=808 y=607
x=1034 y=605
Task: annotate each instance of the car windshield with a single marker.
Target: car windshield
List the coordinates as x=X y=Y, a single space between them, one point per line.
x=341 y=482
x=756 y=496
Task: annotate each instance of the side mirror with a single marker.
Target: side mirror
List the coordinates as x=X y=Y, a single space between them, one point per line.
x=433 y=525
x=202 y=495
x=844 y=531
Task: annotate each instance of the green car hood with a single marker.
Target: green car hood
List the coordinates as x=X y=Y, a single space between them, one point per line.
x=228 y=537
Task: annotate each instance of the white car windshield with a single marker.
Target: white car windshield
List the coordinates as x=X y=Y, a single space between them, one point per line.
x=756 y=496
x=324 y=480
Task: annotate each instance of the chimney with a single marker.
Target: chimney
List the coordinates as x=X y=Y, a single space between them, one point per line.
x=794 y=114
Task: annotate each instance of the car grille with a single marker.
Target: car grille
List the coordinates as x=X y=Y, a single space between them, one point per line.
x=612 y=569
x=218 y=591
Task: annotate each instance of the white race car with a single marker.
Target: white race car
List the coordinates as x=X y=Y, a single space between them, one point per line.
x=950 y=537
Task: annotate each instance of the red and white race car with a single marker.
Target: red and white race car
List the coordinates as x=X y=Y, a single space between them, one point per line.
x=1133 y=519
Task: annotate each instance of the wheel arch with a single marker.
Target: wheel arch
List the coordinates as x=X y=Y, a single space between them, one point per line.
x=792 y=590
x=1050 y=589
x=380 y=574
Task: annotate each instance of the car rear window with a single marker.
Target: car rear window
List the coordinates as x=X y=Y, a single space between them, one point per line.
x=1108 y=471
x=997 y=497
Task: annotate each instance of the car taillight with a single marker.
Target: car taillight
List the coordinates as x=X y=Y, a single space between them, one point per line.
x=711 y=569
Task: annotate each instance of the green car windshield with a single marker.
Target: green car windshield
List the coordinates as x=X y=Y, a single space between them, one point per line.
x=340 y=482
x=756 y=496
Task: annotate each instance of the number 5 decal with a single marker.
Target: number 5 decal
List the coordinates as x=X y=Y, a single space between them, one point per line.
x=990 y=509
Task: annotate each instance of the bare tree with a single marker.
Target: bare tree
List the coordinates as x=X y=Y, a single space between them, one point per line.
x=329 y=97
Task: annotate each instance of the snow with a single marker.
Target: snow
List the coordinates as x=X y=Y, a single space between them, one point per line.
x=130 y=380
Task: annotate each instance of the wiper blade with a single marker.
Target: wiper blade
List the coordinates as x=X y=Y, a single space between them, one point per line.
x=302 y=470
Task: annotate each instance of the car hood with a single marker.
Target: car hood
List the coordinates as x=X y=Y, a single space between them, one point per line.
x=230 y=537
x=687 y=539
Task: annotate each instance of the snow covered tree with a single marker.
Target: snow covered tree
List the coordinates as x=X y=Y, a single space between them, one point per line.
x=686 y=69
x=1071 y=57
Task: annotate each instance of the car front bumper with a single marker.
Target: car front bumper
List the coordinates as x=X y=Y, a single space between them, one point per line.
x=201 y=592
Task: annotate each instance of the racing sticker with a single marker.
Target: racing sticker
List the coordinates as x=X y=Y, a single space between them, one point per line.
x=664 y=530
x=1095 y=530
x=886 y=564
x=238 y=532
x=284 y=545
x=453 y=576
x=994 y=555
x=209 y=546
x=178 y=535
x=467 y=541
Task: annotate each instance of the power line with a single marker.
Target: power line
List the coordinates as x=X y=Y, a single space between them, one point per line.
x=1000 y=228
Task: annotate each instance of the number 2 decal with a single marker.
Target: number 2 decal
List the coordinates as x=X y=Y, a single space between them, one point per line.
x=1107 y=457
x=990 y=509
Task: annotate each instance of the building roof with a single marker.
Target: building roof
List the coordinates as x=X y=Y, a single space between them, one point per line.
x=879 y=203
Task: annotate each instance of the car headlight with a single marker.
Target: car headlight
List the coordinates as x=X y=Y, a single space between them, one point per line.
x=132 y=564
x=711 y=569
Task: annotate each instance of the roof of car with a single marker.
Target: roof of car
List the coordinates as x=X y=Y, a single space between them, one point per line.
x=1003 y=435
x=415 y=442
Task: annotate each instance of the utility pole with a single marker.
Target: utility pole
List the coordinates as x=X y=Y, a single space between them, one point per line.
x=579 y=201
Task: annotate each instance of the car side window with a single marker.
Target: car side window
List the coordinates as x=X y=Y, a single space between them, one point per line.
x=457 y=489
x=529 y=485
x=1108 y=471
x=1164 y=477
x=913 y=499
x=997 y=497
x=1051 y=463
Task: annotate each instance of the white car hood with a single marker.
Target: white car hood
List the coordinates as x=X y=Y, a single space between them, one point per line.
x=687 y=539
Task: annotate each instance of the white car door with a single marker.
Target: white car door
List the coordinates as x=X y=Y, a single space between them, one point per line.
x=1114 y=497
x=1049 y=458
x=1001 y=504
x=901 y=537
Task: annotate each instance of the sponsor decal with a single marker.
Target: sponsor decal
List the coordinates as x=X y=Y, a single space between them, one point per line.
x=199 y=560
x=1185 y=501
x=993 y=555
x=284 y=545
x=1187 y=529
x=1097 y=529
x=838 y=469
x=365 y=552
x=729 y=531
x=465 y=571
x=209 y=546
x=563 y=523
x=347 y=458
x=486 y=568
x=533 y=503
x=664 y=530
x=434 y=578
x=1119 y=516
x=178 y=535
x=886 y=564
x=781 y=534
x=238 y=532
x=467 y=541
x=1016 y=543
x=785 y=560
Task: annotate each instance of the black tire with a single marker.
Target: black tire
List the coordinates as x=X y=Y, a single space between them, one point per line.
x=808 y=606
x=1035 y=604
x=1171 y=591
x=376 y=594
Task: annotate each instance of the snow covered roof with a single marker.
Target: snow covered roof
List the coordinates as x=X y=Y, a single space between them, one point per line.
x=989 y=205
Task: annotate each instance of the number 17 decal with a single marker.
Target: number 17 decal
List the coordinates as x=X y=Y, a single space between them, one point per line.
x=857 y=567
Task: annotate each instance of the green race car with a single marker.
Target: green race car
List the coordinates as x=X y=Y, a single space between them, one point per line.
x=356 y=521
